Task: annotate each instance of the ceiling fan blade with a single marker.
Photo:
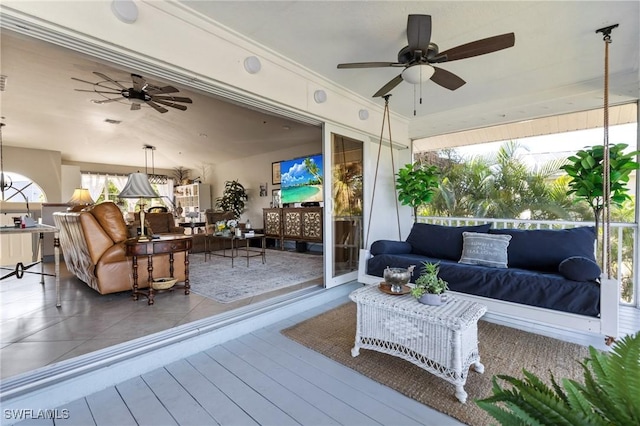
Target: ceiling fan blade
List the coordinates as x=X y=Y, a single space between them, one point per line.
x=104 y=101
x=138 y=82
x=447 y=79
x=160 y=90
x=172 y=105
x=157 y=107
x=97 y=91
x=418 y=32
x=135 y=106
x=389 y=86
x=478 y=47
x=172 y=99
x=370 y=65
x=99 y=74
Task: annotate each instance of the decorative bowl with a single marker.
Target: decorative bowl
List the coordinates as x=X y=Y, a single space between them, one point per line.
x=163 y=283
x=397 y=277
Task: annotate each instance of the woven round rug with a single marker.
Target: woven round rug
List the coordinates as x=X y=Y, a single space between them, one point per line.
x=503 y=350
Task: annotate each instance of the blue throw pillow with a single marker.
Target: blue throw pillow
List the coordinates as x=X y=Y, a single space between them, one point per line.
x=440 y=242
x=544 y=249
x=390 y=247
x=578 y=268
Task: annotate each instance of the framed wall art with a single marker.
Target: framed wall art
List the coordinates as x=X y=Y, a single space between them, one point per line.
x=275 y=173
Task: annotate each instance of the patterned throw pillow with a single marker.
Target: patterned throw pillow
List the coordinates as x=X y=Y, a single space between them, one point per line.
x=485 y=249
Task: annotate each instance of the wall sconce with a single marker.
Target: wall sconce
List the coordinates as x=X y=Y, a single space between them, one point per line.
x=125 y=10
x=252 y=65
x=320 y=96
x=363 y=114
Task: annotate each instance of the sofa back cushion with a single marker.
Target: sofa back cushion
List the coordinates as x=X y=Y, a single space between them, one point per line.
x=440 y=242
x=110 y=218
x=545 y=249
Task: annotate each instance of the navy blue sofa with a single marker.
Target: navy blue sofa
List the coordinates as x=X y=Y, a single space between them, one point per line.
x=553 y=269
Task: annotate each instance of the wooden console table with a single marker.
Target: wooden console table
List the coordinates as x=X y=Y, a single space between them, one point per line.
x=20 y=269
x=164 y=245
x=293 y=223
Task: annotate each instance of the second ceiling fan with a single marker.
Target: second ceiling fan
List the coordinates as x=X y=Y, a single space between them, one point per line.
x=420 y=53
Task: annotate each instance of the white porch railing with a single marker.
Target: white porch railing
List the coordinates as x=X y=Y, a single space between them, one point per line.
x=626 y=274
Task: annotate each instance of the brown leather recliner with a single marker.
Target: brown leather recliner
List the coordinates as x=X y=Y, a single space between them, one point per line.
x=93 y=244
x=159 y=224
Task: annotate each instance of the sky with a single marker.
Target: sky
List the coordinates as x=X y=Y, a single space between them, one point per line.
x=559 y=145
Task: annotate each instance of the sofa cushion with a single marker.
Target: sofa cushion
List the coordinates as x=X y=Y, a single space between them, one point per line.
x=578 y=268
x=390 y=247
x=438 y=241
x=544 y=249
x=485 y=249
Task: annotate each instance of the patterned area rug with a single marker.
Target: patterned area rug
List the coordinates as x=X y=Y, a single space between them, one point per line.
x=503 y=350
x=217 y=280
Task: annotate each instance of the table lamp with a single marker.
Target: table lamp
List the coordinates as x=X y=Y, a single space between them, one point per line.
x=80 y=199
x=138 y=186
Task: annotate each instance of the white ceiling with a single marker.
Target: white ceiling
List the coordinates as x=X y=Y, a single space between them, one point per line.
x=556 y=66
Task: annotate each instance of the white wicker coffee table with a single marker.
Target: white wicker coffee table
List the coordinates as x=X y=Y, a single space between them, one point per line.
x=440 y=339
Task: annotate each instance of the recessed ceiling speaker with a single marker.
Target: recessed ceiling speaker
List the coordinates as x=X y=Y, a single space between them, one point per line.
x=125 y=10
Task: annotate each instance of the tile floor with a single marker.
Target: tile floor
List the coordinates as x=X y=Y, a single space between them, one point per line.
x=34 y=333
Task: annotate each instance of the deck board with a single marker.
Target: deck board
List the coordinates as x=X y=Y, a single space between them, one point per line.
x=182 y=406
x=143 y=403
x=254 y=404
x=212 y=399
x=108 y=408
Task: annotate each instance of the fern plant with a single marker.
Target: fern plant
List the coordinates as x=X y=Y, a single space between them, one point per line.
x=610 y=394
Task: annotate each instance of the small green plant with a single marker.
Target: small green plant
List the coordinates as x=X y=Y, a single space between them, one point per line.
x=610 y=394
x=429 y=281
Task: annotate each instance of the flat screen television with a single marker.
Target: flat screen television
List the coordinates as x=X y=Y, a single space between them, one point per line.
x=301 y=180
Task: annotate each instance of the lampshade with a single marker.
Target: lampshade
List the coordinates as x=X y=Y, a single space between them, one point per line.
x=138 y=186
x=418 y=73
x=81 y=197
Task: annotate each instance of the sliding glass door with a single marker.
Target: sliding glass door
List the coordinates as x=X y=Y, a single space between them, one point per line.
x=343 y=217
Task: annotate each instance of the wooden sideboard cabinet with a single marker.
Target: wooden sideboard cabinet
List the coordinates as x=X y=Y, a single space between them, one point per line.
x=293 y=223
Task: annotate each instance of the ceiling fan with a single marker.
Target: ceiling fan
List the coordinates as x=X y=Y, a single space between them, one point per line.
x=140 y=92
x=418 y=56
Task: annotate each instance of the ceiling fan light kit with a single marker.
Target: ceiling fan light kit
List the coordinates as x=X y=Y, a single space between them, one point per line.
x=320 y=96
x=252 y=65
x=125 y=10
x=418 y=74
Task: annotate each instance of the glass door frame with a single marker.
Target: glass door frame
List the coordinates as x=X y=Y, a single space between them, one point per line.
x=328 y=130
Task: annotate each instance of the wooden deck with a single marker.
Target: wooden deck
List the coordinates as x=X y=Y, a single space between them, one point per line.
x=258 y=378
x=254 y=377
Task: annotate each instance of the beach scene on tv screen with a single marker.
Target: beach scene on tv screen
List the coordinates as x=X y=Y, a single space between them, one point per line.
x=301 y=179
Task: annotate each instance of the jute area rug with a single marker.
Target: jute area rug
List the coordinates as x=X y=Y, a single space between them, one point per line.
x=217 y=280
x=503 y=350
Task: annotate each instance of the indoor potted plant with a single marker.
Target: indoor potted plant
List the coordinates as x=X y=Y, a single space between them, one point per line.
x=233 y=198
x=429 y=286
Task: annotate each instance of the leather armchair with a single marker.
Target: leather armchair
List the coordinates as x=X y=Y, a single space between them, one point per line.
x=93 y=246
x=159 y=223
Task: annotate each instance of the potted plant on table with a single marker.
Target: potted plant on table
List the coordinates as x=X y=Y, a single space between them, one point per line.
x=429 y=286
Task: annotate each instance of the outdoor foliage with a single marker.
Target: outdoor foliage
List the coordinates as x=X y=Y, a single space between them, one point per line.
x=416 y=184
x=608 y=395
x=586 y=169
